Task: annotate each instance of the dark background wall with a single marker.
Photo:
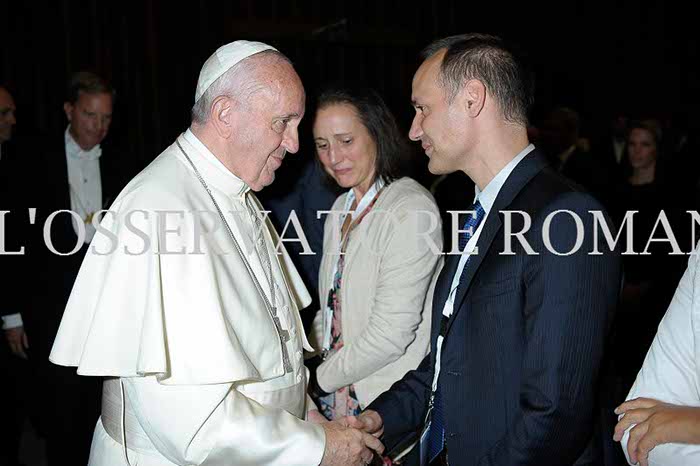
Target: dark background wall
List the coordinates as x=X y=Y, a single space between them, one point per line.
x=595 y=56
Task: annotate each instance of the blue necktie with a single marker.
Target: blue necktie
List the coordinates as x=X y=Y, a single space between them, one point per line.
x=471 y=225
x=436 y=439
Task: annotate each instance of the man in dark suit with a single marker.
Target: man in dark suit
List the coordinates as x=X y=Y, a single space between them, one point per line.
x=609 y=143
x=560 y=141
x=81 y=176
x=518 y=327
x=11 y=170
x=13 y=364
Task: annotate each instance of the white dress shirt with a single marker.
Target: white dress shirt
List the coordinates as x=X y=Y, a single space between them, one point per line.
x=619 y=148
x=85 y=183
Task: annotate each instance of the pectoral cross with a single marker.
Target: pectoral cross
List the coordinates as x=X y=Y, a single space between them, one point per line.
x=284 y=334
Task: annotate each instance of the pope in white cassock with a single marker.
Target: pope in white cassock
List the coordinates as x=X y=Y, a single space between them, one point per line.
x=183 y=304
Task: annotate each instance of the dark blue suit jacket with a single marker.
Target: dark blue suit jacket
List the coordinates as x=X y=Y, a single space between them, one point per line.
x=523 y=348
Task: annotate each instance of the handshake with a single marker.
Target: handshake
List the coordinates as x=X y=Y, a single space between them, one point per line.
x=351 y=440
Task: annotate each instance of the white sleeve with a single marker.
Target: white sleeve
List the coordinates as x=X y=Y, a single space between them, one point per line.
x=12 y=321
x=670 y=370
x=216 y=425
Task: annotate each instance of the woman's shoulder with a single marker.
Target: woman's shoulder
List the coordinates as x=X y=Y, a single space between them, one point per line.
x=407 y=191
x=340 y=201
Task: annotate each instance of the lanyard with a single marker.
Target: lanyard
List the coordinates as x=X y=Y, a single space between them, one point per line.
x=363 y=208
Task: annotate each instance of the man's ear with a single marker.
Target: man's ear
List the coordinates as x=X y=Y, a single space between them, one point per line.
x=68 y=108
x=474 y=97
x=222 y=116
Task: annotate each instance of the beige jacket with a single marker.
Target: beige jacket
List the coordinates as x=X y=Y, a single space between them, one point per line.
x=391 y=261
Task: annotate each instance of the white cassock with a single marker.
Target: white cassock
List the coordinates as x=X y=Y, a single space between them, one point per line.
x=173 y=317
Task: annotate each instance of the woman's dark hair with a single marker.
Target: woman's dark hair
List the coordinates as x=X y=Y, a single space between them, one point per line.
x=392 y=149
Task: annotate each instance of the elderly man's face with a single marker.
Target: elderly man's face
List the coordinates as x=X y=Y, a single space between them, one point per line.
x=7 y=115
x=272 y=127
x=89 y=118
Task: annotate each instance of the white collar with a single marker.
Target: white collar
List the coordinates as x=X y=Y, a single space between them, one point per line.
x=366 y=199
x=488 y=196
x=214 y=172
x=73 y=150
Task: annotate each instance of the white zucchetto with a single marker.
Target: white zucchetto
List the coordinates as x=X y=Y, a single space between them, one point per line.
x=223 y=59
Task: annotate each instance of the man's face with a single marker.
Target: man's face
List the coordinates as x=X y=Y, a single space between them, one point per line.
x=441 y=127
x=89 y=118
x=7 y=115
x=270 y=128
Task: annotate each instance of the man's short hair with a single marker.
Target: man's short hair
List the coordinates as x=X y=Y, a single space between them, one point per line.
x=87 y=83
x=487 y=59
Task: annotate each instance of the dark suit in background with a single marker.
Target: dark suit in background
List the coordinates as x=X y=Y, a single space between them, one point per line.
x=17 y=393
x=522 y=352
x=71 y=404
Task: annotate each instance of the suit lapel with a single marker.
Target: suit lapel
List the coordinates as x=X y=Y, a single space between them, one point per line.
x=442 y=287
x=532 y=164
x=62 y=181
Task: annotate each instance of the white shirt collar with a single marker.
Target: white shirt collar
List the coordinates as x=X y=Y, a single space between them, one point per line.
x=366 y=199
x=211 y=168
x=75 y=151
x=488 y=196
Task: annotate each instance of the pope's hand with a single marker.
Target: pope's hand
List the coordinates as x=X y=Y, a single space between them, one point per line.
x=316 y=417
x=348 y=446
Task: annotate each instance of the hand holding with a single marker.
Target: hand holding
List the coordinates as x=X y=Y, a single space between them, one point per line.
x=348 y=446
